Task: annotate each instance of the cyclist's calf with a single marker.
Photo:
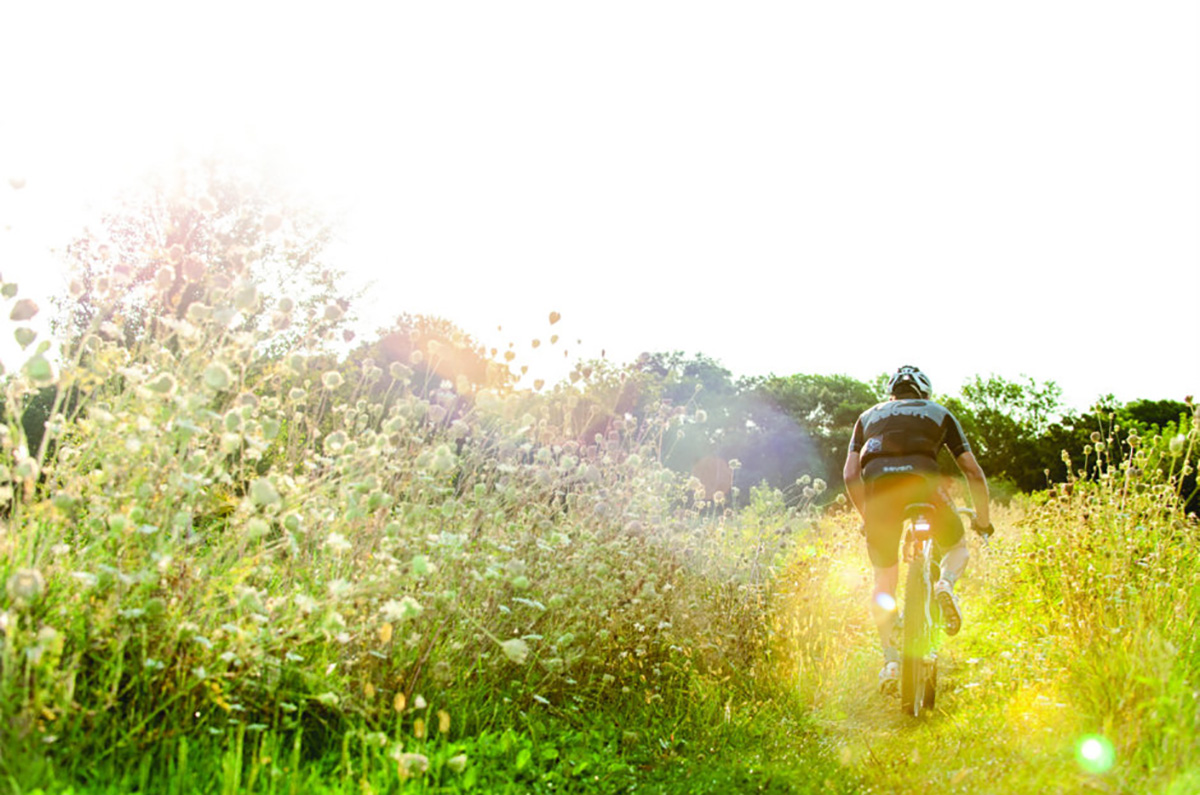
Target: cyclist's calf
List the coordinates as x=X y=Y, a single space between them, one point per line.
x=954 y=561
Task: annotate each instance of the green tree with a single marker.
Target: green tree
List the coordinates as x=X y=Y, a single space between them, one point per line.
x=1007 y=424
x=823 y=408
x=1154 y=413
x=703 y=393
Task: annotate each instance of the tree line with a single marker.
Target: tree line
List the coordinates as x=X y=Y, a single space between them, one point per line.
x=784 y=431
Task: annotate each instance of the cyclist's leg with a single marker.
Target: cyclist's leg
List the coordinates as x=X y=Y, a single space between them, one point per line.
x=886 y=499
x=952 y=548
x=883 y=609
x=950 y=539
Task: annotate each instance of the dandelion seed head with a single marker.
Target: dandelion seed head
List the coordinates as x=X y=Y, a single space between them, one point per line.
x=397 y=611
x=163 y=279
x=40 y=371
x=411 y=764
x=335 y=442
x=516 y=650
x=26 y=586
x=163 y=384
x=245 y=298
x=217 y=376
x=197 y=313
x=337 y=543
x=264 y=494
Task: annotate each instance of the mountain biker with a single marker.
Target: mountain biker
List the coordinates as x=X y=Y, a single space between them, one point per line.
x=892 y=463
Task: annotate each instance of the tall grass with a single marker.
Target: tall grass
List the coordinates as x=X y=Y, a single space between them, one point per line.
x=233 y=563
x=229 y=568
x=1078 y=667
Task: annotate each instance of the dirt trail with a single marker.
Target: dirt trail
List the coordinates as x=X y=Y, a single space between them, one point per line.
x=1001 y=724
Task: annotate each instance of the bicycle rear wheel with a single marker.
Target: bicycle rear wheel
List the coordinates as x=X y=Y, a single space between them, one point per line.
x=915 y=674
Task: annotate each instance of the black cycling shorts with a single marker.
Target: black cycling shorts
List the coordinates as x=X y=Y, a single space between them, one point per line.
x=887 y=497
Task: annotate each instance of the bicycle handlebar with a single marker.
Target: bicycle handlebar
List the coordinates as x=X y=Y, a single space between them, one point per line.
x=984 y=532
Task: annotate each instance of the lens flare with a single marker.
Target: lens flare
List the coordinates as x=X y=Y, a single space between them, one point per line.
x=886 y=601
x=1095 y=753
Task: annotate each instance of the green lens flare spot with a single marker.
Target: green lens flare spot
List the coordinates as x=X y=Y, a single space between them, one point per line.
x=1095 y=754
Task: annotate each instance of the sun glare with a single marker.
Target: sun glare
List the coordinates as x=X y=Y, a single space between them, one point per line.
x=1095 y=753
x=886 y=601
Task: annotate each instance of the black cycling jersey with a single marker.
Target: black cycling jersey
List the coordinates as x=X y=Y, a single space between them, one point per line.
x=900 y=436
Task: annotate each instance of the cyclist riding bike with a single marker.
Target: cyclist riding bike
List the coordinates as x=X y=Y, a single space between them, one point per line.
x=892 y=463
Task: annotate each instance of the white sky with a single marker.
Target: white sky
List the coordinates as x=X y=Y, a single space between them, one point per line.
x=786 y=187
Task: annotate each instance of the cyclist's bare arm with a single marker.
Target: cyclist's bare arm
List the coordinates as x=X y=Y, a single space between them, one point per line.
x=977 y=483
x=852 y=476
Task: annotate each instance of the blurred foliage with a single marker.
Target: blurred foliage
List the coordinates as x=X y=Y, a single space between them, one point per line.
x=198 y=225
x=778 y=429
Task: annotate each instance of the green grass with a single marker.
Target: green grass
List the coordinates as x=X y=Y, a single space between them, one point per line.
x=228 y=569
x=234 y=570
x=1081 y=621
x=766 y=747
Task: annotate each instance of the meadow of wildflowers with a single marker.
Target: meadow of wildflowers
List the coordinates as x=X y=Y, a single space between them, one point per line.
x=235 y=562
x=231 y=563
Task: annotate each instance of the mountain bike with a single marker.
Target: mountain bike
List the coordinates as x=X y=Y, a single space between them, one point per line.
x=922 y=617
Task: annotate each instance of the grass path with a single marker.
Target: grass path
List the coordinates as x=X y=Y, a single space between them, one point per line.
x=1004 y=721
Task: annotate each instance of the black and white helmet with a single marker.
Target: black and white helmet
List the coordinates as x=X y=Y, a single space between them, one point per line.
x=909 y=379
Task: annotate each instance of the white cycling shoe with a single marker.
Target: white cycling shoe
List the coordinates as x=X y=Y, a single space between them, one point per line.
x=889 y=678
x=951 y=614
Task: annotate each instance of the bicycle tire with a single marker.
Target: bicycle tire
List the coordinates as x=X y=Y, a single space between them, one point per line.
x=918 y=633
x=935 y=615
x=931 y=677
